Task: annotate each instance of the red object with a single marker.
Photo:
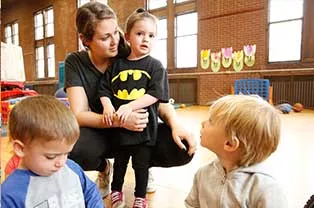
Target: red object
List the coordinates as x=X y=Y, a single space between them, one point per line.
x=12 y=83
x=17 y=93
x=12 y=164
x=10 y=90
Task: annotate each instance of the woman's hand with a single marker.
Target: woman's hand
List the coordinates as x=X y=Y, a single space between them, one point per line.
x=179 y=133
x=169 y=116
x=124 y=112
x=136 y=121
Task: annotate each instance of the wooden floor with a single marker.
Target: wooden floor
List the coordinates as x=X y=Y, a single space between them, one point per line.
x=293 y=162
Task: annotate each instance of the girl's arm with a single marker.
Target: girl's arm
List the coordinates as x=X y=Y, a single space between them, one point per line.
x=86 y=118
x=125 y=110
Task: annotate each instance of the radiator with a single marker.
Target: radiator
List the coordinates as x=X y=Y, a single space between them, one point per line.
x=293 y=89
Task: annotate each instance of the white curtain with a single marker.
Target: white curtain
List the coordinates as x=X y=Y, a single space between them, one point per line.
x=12 y=64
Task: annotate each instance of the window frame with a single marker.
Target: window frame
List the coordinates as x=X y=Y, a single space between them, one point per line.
x=13 y=33
x=44 y=42
x=302 y=19
x=170 y=12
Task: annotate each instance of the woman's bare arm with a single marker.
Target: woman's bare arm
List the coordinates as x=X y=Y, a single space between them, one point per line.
x=168 y=114
x=137 y=121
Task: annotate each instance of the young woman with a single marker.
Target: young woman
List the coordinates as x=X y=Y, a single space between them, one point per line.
x=99 y=32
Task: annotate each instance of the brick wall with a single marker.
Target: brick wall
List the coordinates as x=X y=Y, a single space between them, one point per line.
x=234 y=24
x=65 y=38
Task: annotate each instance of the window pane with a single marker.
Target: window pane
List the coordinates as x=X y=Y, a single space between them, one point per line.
x=186 y=24
x=51 y=67
x=15 y=28
x=179 y=1
x=40 y=68
x=155 y=4
x=8 y=40
x=82 y=2
x=51 y=60
x=162 y=29
x=186 y=51
x=49 y=30
x=39 y=33
x=285 y=41
x=49 y=18
x=16 y=40
x=39 y=53
x=160 y=51
x=8 y=31
x=50 y=50
x=285 y=10
x=39 y=20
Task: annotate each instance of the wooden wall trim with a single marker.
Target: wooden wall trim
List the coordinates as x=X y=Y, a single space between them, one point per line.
x=241 y=72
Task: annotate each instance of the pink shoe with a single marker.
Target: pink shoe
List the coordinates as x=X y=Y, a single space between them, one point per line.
x=117 y=200
x=140 y=203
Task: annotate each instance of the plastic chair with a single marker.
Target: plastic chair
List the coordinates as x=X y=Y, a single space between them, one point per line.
x=259 y=87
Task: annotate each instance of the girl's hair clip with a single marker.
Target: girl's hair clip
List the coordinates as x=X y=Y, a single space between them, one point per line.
x=140 y=10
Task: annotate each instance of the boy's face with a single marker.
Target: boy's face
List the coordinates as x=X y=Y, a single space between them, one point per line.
x=45 y=158
x=213 y=136
x=142 y=37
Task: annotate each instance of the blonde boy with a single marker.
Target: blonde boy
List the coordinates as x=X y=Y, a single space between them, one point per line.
x=43 y=131
x=242 y=131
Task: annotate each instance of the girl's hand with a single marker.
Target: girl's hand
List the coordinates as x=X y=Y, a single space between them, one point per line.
x=108 y=114
x=124 y=112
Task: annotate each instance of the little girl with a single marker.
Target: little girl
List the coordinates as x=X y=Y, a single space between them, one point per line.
x=136 y=82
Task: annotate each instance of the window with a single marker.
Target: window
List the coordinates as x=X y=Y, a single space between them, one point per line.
x=44 y=44
x=285 y=30
x=186 y=40
x=160 y=48
x=155 y=4
x=12 y=33
x=179 y=1
x=82 y=2
x=176 y=45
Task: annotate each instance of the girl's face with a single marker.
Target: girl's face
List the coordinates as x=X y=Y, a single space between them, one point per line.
x=45 y=158
x=105 y=40
x=142 y=38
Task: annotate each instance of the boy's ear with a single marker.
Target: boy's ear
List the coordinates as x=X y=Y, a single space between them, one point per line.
x=18 y=148
x=231 y=144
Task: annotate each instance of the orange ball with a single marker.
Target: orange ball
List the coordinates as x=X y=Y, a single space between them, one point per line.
x=297 y=107
x=182 y=105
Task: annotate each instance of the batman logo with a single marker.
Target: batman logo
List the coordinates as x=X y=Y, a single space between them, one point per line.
x=129 y=84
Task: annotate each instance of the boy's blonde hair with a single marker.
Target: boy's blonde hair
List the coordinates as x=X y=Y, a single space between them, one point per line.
x=253 y=121
x=42 y=117
x=138 y=15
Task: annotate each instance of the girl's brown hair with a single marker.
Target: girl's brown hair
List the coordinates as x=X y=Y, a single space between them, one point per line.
x=137 y=15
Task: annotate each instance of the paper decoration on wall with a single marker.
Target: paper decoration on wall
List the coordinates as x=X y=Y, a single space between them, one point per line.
x=205 y=58
x=226 y=59
x=215 y=61
x=237 y=57
x=249 y=51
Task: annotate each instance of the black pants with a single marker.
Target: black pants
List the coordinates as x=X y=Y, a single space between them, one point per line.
x=95 y=145
x=140 y=162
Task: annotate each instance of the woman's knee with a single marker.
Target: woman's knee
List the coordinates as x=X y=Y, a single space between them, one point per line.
x=167 y=153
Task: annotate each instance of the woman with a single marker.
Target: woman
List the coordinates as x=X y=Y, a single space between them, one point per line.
x=99 y=32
